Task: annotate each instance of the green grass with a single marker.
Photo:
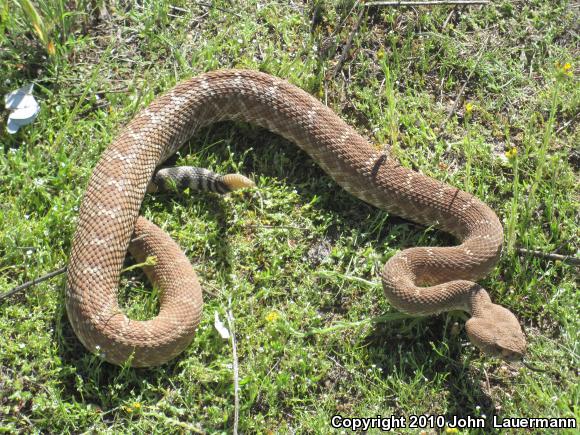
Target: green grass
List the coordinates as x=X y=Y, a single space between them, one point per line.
x=298 y=246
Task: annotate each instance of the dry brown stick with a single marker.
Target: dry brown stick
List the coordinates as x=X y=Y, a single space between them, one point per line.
x=275 y=227
x=428 y=3
x=348 y=44
x=565 y=258
x=235 y=368
x=448 y=18
x=343 y=22
x=33 y=282
x=567 y=124
x=211 y=5
x=102 y=91
x=42 y=278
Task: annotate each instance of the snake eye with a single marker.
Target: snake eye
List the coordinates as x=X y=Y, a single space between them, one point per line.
x=510 y=355
x=506 y=354
x=498 y=351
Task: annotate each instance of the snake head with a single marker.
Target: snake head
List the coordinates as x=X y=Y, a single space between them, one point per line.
x=497 y=333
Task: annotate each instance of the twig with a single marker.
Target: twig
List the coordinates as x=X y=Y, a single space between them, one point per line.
x=178 y=9
x=534 y=368
x=211 y=5
x=343 y=22
x=315 y=17
x=24 y=378
x=101 y=91
x=462 y=90
x=345 y=325
x=448 y=19
x=33 y=282
x=428 y=3
x=206 y=289
x=348 y=44
x=141 y=237
x=59 y=271
x=565 y=258
x=348 y=278
x=230 y=318
x=175 y=423
x=567 y=124
x=487 y=384
x=276 y=227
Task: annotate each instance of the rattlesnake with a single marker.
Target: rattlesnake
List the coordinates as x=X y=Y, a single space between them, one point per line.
x=417 y=280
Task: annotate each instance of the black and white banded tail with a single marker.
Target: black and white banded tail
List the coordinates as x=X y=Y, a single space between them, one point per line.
x=180 y=178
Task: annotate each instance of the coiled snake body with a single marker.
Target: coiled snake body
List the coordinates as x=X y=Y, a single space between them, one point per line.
x=418 y=280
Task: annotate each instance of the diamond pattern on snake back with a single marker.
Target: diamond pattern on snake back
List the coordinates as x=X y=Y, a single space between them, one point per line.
x=115 y=191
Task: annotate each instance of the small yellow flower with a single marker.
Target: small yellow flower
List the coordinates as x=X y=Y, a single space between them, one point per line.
x=272 y=316
x=381 y=53
x=469 y=107
x=134 y=408
x=50 y=48
x=565 y=69
x=451 y=430
x=511 y=153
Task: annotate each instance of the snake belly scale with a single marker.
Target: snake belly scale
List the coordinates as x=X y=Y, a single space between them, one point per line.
x=418 y=280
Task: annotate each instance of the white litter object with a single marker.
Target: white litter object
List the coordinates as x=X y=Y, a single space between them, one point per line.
x=220 y=327
x=23 y=108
